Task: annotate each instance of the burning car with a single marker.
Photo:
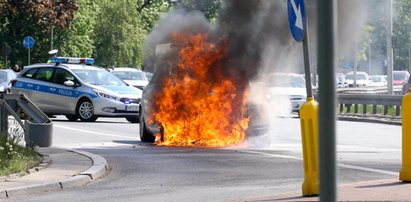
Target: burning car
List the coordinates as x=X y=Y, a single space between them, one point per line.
x=190 y=101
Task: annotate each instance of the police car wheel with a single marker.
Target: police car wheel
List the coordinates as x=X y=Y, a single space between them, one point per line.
x=145 y=136
x=72 y=117
x=85 y=111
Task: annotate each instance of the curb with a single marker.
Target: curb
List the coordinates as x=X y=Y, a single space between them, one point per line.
x=99 y=168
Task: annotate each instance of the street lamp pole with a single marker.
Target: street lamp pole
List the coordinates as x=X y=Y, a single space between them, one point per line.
x=51 y=37
x=369 y=57
x=389 y=47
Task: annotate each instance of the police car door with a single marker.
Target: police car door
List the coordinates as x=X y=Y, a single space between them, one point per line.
x=42 y=89
x=64 y=95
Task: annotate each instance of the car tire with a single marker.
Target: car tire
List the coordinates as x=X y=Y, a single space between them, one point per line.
x=85 y=111
x=145 y=136
x=72 y=117
x=133 y=119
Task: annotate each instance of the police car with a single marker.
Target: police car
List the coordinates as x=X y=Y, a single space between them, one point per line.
x=75 y=88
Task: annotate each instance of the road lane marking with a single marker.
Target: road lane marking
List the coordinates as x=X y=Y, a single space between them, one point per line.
x=95 y=133
x=386 y=172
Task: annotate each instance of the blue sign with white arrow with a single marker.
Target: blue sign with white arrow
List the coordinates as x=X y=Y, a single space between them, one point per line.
x=28 y=42
x=296 y=18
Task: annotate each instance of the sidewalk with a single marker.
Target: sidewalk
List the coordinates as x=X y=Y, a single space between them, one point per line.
x=376 y=190
x=59 y=170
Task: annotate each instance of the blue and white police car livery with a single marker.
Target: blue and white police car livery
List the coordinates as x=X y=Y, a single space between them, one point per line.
x=75 y=88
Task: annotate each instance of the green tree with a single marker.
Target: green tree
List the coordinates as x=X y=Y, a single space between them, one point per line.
x=210 y=8
x=402 y=34
x=78 y=41
x=122 y=27
x=33 y=18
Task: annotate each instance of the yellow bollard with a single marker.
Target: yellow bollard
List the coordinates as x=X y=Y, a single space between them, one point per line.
x=405 y=172
x=309 y=137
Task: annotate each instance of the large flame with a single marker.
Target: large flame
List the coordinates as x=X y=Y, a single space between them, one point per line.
x=200 y=104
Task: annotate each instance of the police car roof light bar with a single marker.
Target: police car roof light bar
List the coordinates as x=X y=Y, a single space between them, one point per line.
x=69 y=60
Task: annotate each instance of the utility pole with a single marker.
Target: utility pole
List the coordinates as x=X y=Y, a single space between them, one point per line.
x=326 y=57
x=389 y=47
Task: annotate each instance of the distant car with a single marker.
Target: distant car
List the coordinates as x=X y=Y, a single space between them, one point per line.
x=340 y=81
x=362 y=80
x=400 y=77
x=289 y=87
x=378 y=81
x=406 y=87
x=148 y=75
x=131 y=76
x=78 y=90
x=6 y=75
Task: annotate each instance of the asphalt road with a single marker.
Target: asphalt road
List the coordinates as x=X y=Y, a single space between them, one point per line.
x=143 y=172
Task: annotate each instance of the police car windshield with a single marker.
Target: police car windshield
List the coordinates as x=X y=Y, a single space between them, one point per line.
x=98 y=77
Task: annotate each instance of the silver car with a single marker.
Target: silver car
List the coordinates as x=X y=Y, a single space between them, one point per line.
x=132 y=76
x=287 y=91
x=78 y=91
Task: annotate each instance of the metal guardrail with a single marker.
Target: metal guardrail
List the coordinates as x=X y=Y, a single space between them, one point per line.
x=350 y=103
x=19 y=116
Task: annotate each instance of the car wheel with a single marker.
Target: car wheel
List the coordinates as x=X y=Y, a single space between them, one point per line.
x=145 y=136
x=85 y=111
x=72 y=117
x=133 y=119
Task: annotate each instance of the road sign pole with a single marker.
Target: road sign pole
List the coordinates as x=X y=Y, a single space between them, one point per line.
x=307 y=62
x=28 y=56
x=28 y=42
x=326 y=32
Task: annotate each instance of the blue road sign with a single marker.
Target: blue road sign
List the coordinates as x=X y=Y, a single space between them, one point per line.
x=296 y=18
x=28 y=42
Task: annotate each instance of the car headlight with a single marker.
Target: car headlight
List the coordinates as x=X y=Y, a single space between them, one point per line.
x=104 y=94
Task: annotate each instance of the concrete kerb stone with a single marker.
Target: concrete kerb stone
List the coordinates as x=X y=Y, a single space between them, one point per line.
x=75 y=181
x=99 y=167
x=35 y=188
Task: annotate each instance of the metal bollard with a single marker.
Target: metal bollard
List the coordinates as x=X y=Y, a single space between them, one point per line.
x=309 y=137
x=405 y=172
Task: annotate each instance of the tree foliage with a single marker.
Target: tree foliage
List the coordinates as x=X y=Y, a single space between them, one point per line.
x=208 y=7
x=33 y=18
x=79 y=40
x=122 y=28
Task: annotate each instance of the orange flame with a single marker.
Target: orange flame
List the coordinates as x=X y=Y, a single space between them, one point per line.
x=199 y=104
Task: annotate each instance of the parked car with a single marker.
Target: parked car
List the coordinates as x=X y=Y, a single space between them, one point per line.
x=148 y=75
x=400 y=77
x=6 y=75
x=406 y=86
x=287 y=87
x=78 y=90
x=131 y=76
x=378 y=81
x=340 y=81
x=362 y=79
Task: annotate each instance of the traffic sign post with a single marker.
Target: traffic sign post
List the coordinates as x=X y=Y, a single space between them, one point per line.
x=28 y=43
x=309 y=110
x=298 y=27
x=296 y=18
